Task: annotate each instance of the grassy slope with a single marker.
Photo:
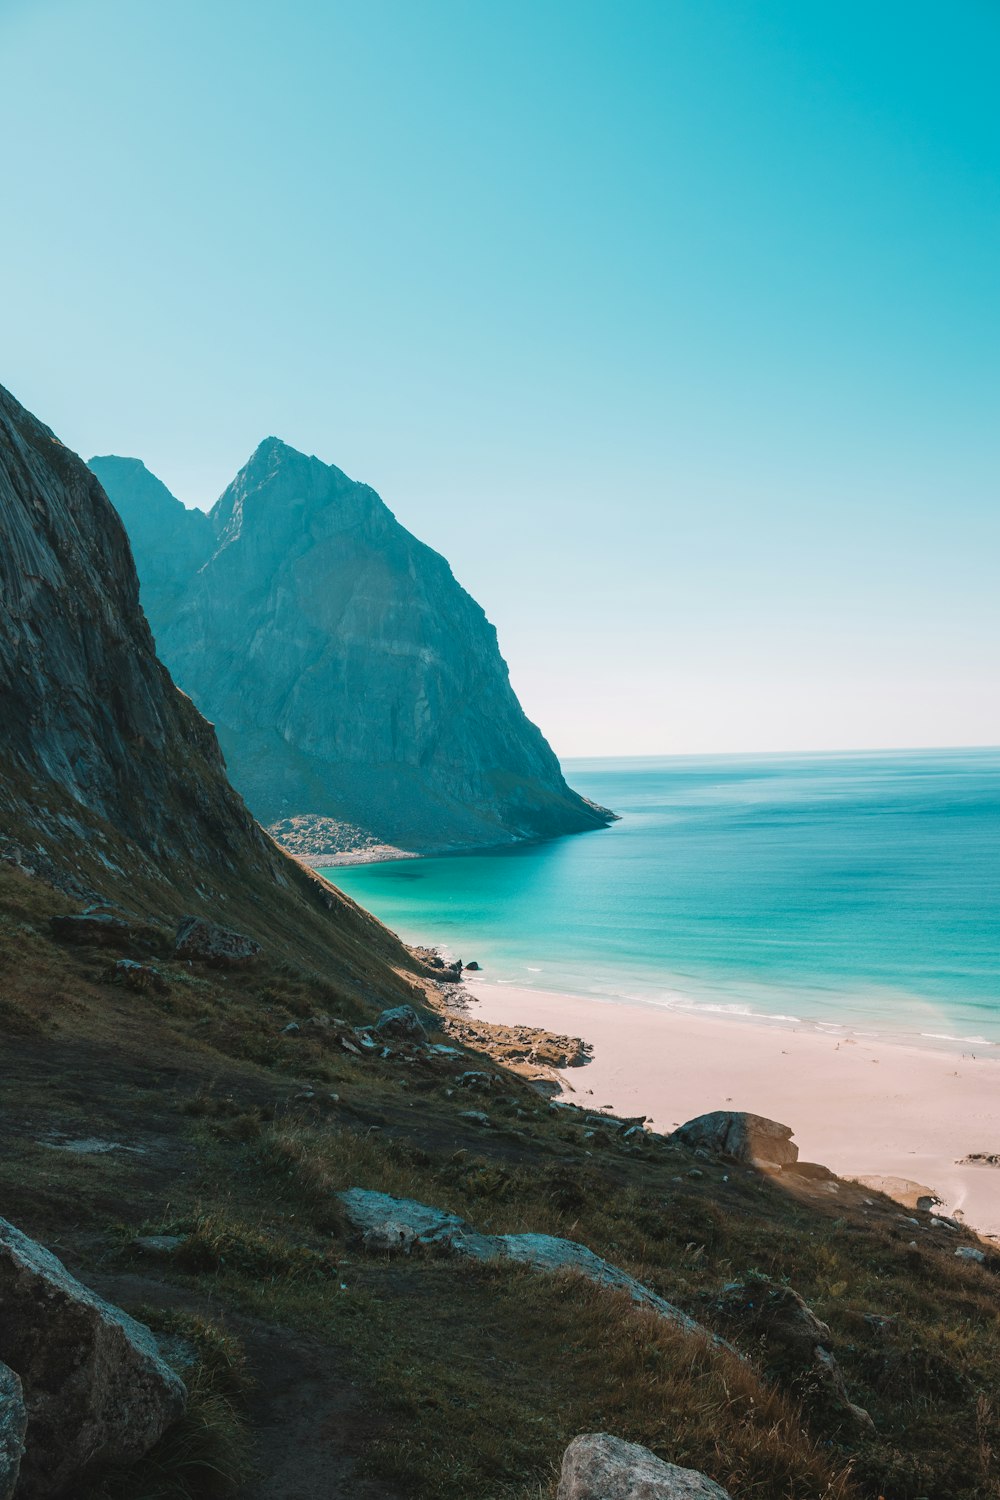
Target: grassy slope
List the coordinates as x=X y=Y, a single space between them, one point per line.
x=420 y=1378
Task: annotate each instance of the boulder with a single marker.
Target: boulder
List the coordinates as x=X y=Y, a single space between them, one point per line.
x=474 y=1079
x=98 y=929
x=743 y=1137
x=401 y=1021
x=159 y=1245
x=813 y=1171
x=473 y=966
x=387 y=1223
x=95 y=1385
x=796 y=1345
x=597 y=1466
x=208 y=943
x=137 y=976
x=13 y=1421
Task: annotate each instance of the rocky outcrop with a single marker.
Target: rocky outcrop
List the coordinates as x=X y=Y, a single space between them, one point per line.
x=96 y=1388
x=348 y=674
x=402 y=1224
x=88 y=710
x=526 y=1049
x=598 y=1466
x=401 y=1021
x=740 y=1136
x=208 y=943
x=13 y=1425
x=93 y=929
x=797 y=1346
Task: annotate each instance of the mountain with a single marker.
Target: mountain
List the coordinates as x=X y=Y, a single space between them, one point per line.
x=111 y=782
x=172 y=540
x=384 y=1262
x=350 y=677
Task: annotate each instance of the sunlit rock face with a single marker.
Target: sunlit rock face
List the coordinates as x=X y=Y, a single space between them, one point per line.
x=348 y=674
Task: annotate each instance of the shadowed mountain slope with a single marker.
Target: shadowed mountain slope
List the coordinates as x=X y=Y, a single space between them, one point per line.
x=349 y=676
x=111 y=782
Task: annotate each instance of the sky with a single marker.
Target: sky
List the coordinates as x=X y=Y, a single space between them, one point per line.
x=675 y=326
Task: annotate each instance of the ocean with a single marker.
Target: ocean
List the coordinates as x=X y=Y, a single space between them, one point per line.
x=857 y=890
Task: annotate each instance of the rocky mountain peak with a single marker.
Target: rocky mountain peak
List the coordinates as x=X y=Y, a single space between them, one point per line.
x=350 y=677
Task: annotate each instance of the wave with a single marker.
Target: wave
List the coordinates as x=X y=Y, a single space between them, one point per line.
x=946 y=1036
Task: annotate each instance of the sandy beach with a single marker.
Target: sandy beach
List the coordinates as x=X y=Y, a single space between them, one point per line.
x=864 y=1107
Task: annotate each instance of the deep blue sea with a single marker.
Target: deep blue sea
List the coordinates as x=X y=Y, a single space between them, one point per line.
x=850 y=889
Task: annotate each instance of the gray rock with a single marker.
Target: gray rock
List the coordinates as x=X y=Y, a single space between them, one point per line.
x=474 y=1117
x=473 y=967
x=143 y=978
x=159 y=1245
x=179 y=1352
x=96 y=1387
x=743 y=1137
x=349 y=674
x=98 y=929
x=387 y=1223
x=597 y=1466
x=473 y=1079
x=969 y=1252
x=208 y=943
x=13 y=1422
x=401 y=1021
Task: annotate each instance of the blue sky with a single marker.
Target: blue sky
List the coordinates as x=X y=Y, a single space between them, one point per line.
x=675 y=326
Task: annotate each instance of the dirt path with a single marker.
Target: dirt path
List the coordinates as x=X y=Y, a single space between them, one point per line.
x=311 y=1423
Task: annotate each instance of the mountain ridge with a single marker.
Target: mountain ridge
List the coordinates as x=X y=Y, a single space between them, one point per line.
x=112 y=784
x=350 y=677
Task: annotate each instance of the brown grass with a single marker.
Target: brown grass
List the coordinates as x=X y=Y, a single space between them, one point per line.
x=473 y=1379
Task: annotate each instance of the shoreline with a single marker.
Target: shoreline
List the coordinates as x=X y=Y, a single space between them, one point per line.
x=377 y=855
x=865 y=1106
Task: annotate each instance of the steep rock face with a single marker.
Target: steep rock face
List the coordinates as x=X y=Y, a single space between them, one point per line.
x=87 y=707
x=112 y=784
x=348 y=674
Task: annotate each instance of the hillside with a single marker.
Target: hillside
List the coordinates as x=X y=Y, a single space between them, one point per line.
x=351 y=679
x=194 y=1142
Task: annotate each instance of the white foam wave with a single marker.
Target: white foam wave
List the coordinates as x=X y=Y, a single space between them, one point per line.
x=946 y=1036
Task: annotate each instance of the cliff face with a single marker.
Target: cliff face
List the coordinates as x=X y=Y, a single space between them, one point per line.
x=111 y=782
x=87 y=707
x=348 y=674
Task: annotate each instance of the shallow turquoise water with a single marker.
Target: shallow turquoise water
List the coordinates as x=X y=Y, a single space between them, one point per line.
x=839 y=889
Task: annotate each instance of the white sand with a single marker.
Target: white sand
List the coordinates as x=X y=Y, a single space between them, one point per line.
x=860 y=1106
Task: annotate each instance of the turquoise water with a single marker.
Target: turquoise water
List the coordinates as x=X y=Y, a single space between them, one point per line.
x=859 y=890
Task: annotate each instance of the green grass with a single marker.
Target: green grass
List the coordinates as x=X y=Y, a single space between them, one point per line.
x=471 y=1380
x=207 y=1454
